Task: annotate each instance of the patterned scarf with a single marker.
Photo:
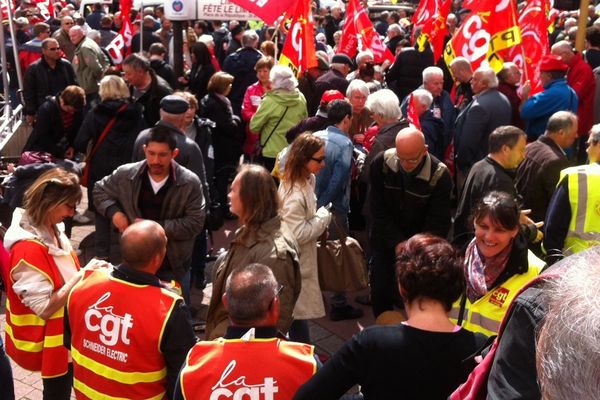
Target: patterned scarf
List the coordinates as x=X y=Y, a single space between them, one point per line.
x=481 y=273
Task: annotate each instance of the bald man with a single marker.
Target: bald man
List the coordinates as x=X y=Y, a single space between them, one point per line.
x=127 y=321
x=410 y=194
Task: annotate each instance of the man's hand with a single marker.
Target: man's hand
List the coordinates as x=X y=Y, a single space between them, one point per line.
x=120 y=221
x=525 y=90
x=30 y=119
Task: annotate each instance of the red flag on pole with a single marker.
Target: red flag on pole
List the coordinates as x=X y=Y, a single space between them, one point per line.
x=433 y=26
x=485 y=36
x=267 y=10
x=359 y=34
x=120 y=46
x=533 y=22
x=411 y=113
x=4 y=4
x=299 y=48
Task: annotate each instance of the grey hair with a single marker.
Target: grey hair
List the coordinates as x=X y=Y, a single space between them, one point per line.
x=595 y=133
x=568 y=347
x=560 y=120
x=249 y=38
x=93 y=34
x=431 y=72
x=362 y=55
x=250 y=291
x=282 y=77
x=357 y=85
x=423 y=96
x=385 y=103
x=489 y=75
x=396 y=28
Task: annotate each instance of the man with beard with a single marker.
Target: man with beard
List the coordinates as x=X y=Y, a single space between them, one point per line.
x=161 y=190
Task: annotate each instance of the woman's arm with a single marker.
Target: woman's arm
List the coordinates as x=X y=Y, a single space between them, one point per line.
x=295 y=216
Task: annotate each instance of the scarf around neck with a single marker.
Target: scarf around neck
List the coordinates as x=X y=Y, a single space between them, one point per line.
x=481 y=272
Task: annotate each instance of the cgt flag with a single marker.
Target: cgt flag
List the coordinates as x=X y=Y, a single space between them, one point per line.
x=299 y=48
x=534 y=45
x=431 y=17
x=358 y=35
x=120 y=45
x=411 y=112
x=267 y=10
x=485 y=36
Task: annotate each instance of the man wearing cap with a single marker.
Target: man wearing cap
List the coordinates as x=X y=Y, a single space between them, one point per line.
x=335 y=79
x=172 y=118
x=308 y=81
x=556 y=96
x=159 y=189
x=46 y=77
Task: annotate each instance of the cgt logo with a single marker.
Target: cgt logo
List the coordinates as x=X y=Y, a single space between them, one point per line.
x=111 y=326
x=238 y=389
x=499 y=296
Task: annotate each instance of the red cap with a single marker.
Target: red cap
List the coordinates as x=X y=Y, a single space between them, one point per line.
x=331 y=95
x=551 y=62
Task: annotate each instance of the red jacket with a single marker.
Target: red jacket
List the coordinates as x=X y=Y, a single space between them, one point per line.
x=252 y=100
x=581 y=78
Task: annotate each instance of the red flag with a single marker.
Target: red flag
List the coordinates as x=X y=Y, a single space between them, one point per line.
x=411 y=113
x=120 y=46
x=433 y=26
x=359 y=34
x=534 y=45
x=487 y=33
x=4 y=4
x=267 y=10
x=46 y=9
x=299 y=48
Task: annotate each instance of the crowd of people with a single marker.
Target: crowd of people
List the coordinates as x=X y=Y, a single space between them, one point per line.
x=467 y=184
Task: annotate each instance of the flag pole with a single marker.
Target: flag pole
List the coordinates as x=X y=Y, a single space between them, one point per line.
x=525 y=72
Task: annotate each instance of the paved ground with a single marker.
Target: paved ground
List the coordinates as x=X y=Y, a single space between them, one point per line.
x=328 y=336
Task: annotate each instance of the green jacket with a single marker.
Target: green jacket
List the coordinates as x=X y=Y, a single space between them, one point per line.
x=89 y=64
x=268 y=118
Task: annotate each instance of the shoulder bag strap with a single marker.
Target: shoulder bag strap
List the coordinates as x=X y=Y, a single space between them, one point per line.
x=276 y=125
x=105 y=131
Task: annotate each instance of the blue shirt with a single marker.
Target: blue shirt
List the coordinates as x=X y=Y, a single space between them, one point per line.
x=557 y=96
x=333 y=181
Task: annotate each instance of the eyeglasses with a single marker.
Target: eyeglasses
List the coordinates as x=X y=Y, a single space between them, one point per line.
x=54 y=48
x=318 y=159
x=279 y=289
x=412 y=161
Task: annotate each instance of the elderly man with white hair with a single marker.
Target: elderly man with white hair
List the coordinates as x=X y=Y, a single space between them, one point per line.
x=488 y=110
x=442 y=106
x=395 y=33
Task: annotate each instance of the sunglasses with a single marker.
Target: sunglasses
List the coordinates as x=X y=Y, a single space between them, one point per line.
x=54 y=48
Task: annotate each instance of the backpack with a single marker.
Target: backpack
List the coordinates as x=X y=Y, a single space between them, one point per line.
x=475 y=388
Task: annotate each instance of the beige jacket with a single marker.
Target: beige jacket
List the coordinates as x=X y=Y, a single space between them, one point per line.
x=269 y=246
x=305 y=223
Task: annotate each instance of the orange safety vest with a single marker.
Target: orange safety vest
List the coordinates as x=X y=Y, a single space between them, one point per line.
x=259 y=368
x=116 y=332
x=35 y=344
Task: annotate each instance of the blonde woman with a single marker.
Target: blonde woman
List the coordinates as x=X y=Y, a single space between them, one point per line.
x=305 y=158
x=116 y=146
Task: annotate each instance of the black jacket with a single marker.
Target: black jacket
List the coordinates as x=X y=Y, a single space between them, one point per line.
x=406 y=74
x=199 y=77
x=159 y=88
x=402 y=205
x=241 y=65
x=49 y=133
x=165 y=71
x=149 y=38
x=227 y=137
x=117 y=147
x=42 y=81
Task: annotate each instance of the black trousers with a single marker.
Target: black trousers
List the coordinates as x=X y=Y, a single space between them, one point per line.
x=59 y=388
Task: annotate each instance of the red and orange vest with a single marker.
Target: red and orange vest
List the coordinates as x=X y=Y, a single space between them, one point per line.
x=258 y=369
x=35 y=344
x=116 y=332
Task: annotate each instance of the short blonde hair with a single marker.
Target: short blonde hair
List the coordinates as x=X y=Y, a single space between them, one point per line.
x=189 y=97
x=113 y=87
x=51 y=189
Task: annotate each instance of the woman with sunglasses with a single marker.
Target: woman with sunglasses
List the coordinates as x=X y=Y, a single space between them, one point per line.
x=42 y=271
x=300 y=216
x=497 y=264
